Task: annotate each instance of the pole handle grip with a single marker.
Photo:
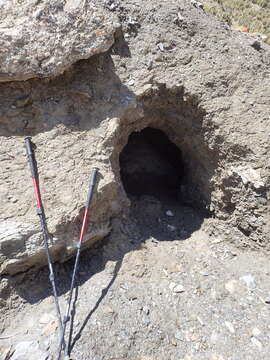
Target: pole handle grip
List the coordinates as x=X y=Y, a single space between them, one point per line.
x=92 y=182
x=30 y=151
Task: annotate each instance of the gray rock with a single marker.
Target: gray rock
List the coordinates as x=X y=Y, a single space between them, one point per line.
x=249 y=281
x=43 y=40
x=179 y=289
x=29 y=350
x=146 y=310
x=256 y=332
x=229 y=326
x=160 y=46
x=249 y=176
x=197 y=4
x=256 y=342
x=21 y=246
x=171 y=227
x=179 y=336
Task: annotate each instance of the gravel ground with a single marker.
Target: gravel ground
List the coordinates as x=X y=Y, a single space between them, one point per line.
x=158 y=288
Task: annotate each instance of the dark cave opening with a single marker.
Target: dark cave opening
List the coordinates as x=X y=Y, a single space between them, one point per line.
x=150 y=164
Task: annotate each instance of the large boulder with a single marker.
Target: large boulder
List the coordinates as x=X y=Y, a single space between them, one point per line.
x=44 y=38
x=172 y=67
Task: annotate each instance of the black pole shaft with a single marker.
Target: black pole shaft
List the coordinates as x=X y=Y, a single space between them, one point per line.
x=83 y=230
x=51 y=270
x=30 y=151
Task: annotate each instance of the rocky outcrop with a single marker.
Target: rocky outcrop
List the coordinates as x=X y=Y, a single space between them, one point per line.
x=172 y=67
x=44 y=38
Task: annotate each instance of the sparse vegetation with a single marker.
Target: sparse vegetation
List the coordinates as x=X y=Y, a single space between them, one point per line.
x=254 y=14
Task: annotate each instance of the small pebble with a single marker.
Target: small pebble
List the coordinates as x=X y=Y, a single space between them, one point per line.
x=171 y=227
x=160 y=46
x=178 y=289
x=256 y=332
x=231 y=286
x=200 y=320
x=256 y=342
x=172 y=286
x=146 y=310
x=150 y=65
x=46 y=318
x=249 y=281
x=112 y=6
x=178 y=335
x=169 y=213
x=146 y=321
x=204 y=273
x=230 y=327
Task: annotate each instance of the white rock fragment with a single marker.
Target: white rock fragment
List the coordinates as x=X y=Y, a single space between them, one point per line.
x=179 y=289
x=178 y=335
x=171 y=227
x=160 y=46
x=230 y=327
x=231 y=286
x=172 y=286
x=256 y=332
x=249 y=281
x=169 y=213
x=46 y=318
x=146 y=310
x=176 y=288
x=29 y=350
x=256 y=342
x=200 y=320
x=204 y=273
x=249 y=176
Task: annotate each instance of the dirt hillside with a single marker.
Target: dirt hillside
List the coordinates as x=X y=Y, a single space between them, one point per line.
x=172 y=106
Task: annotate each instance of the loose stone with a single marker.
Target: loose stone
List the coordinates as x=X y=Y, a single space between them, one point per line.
x=230 y=327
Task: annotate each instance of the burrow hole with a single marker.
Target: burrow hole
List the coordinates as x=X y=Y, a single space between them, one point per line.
x=150 y=164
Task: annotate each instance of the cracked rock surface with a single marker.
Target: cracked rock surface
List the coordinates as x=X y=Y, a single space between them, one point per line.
x=44 y=38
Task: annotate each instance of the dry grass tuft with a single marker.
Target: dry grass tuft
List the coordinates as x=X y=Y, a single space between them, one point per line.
x=253 y=15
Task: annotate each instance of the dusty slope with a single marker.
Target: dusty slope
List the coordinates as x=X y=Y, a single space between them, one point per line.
x=172 y=67
x=147 y=294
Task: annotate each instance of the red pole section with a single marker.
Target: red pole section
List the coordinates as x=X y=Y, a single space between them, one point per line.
x=37 y=193
x=84 y=224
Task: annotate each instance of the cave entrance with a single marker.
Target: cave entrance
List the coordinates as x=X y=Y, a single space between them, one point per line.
x=150 y=164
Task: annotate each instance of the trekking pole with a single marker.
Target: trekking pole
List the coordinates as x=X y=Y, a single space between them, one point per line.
x=79 y=244
x=30 y=150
